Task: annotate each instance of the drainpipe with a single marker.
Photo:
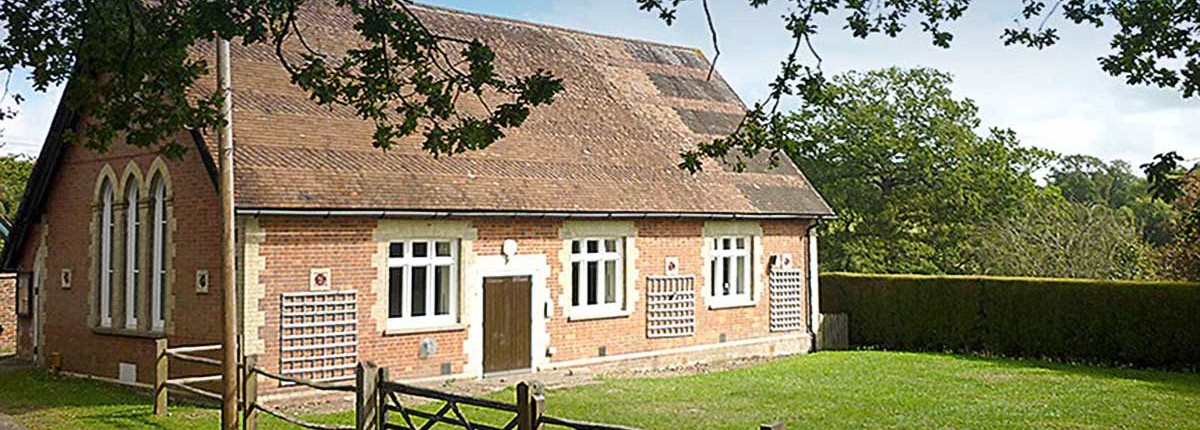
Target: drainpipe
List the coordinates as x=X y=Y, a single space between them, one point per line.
x=814 y=285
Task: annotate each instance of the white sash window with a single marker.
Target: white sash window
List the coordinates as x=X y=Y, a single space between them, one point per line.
x=597 y=274
x=158 y=282
x=132 y=262
x=106 y=263
x=730 y=271
x=422 y=283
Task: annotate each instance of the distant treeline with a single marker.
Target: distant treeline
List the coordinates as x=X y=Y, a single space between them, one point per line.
x=918 y=189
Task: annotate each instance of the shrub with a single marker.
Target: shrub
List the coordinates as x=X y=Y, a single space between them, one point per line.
x=1148 y=324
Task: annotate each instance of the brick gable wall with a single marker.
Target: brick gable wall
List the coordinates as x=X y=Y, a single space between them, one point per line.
x=65 y=236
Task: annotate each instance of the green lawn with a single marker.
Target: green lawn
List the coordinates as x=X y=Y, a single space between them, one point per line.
x=826 y=390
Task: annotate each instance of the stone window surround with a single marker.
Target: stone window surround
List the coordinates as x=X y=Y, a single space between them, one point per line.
x=399 y=230
x=626 y=233
x=601 y=257
x=145 y=324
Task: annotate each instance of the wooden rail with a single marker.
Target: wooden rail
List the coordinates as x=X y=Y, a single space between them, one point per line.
x=379 y=404
x=582 y=425
x=251 y=405
x=163 y=355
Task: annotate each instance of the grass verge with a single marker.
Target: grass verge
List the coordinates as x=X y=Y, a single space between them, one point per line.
x=827 y=390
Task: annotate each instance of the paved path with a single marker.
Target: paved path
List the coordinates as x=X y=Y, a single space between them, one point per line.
x=8 y=423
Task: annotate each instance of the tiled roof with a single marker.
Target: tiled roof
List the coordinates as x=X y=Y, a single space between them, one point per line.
x=609 y=143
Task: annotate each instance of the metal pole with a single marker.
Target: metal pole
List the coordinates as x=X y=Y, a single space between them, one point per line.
x=229 y=373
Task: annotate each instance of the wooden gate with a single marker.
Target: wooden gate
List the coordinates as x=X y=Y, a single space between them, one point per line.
x=382 y=404
x=507 y=319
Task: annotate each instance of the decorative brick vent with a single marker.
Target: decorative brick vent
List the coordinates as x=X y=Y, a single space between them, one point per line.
x=787 y=299
x=670 y=306
x=319 y=334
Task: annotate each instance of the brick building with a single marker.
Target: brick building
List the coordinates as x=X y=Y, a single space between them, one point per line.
x=574 y=241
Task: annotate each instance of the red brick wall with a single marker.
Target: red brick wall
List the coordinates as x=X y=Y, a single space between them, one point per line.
x=68 y=217
x=8 y=314
x=657 y=240
x=294 y=245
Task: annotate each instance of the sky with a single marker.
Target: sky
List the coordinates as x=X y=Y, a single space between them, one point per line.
x=1056 y=98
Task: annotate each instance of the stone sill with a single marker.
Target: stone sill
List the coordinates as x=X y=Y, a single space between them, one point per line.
x=400 y=331
x=732 y=305
x=109 y=331
x=604 y=315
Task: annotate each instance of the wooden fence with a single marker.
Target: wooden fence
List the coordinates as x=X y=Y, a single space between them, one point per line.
x=163 y=356
x=834 y=332
x=379 y=402
x=380 y=406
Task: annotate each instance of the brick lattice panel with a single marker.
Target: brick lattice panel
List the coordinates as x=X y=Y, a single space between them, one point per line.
x=670 y=306
x=319 y=335
x=787 y=299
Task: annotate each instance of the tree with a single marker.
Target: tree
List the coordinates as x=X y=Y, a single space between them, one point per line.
x=900 y=159
x=14 y=172
x=1172 y=183
x=1063 y=239
x=130 y=69
x=1090 y=181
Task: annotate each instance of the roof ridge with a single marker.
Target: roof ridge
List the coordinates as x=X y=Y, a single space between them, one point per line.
x=444 y=9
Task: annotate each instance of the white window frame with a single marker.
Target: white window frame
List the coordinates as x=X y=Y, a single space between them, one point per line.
x=603 y=255
x=159 y=250
x=132 y=268
x=431 y=261
x=106 y=258
x=719 y=293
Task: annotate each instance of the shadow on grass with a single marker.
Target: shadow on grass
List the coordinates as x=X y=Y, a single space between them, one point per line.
x=124 y=419
x=30 y=389
x=1185 y=383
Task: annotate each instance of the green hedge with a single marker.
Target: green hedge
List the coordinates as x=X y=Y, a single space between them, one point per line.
x=1137 y=323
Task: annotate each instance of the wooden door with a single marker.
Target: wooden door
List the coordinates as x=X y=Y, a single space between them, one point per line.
x=507 y=316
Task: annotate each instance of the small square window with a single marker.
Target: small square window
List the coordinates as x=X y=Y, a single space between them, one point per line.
x=396 y=250
x=420 y=249
x=443 y=249
x=593 y=246
x=610 y=245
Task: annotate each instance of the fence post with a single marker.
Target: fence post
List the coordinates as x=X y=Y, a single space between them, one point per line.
x=160 y=376
x=531 y=404
x=381 y=400
x=538 y=404
x=250 y=393
x=365 y=398
x=777 y=425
